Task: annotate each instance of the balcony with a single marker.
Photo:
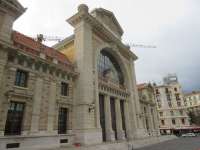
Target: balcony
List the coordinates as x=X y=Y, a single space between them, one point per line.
x=111 y=86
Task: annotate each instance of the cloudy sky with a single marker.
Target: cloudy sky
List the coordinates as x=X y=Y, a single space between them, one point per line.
x=172 y=25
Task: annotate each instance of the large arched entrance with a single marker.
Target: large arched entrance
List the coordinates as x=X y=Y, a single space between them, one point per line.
x=112 y=96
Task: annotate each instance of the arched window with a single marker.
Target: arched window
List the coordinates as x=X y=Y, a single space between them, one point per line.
x=109 y=68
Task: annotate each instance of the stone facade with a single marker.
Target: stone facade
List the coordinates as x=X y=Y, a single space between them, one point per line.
x=59 y=95
x=170 y=104
x=149 y=109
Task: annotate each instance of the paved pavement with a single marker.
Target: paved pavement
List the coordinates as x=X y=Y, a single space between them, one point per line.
x=188 y=143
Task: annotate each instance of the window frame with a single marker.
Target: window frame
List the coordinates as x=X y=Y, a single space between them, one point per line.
x=64 y=89
x=63 y=120
x=16 y=109
x=21 y=78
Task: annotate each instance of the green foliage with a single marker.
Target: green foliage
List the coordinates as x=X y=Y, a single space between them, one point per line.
x=194 y=117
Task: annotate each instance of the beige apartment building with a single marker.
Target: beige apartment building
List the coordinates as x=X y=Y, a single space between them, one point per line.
x=192 y=102
x=170 y=105
x=82 y=91
x=149 y=109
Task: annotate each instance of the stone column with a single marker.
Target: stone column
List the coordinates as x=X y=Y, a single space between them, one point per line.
x=109 y=131
x=156 y=121
x=127 y=121
x=120 y=131
x=150 y=118
x=52 y=104
x=37 y=98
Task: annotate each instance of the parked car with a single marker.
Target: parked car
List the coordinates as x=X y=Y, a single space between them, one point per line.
x=188 y=135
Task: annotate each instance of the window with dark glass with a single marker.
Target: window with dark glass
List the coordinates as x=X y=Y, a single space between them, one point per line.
x=163 y=122
x=173 y=121
x=183 y=121
x=166 y=90
x=107 y=65
x=177 y=96
x=62 y=121
x=64 y=89
x=21 y=78
x=14 y=118
x=157 y=91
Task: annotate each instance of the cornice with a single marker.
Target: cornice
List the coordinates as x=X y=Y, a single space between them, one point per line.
x=100 y=30
x=13 y=6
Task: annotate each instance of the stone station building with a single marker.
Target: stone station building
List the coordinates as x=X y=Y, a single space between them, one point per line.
x=82 y=91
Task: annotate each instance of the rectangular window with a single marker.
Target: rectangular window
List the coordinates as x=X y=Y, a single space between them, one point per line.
x=157 y=91
x=64 y=89
x=179 y=104
x=14 y=118
x=173 y=121
x=181 y=112
x=62 y=121
x=172 y=113
x=161 y=114
x=166 y=90
x=177 y=96
x=170 y=104
x=183 y=121
x=21 y=78
x=163 y=122
x=168 y=97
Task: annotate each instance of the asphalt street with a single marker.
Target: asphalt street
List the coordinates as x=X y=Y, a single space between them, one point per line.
x=188 y=143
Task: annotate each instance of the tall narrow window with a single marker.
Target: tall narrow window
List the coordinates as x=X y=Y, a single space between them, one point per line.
x=62 y=121
x=21 y=78
x=14 y=119
x=173 y=121
x=64 y=89
x=183 y=121
x=163 y=122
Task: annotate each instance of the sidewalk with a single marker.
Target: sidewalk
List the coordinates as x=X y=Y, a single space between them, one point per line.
x=123 y=145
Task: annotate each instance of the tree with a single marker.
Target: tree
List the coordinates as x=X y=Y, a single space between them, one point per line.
x=194 y=118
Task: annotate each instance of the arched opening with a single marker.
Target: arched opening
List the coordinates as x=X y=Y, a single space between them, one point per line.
x=112 y=93
x=109 y=68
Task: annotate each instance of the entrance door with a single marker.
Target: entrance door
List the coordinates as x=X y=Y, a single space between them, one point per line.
x=113 y=115
x=102 y=116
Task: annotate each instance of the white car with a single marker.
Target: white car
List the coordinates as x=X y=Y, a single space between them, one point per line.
x=188 y=135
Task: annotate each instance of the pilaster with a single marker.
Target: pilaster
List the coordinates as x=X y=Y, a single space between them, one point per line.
x=127 y=121
x=109 y=131
x=120 y=131
x=37 y=98
x=51 y=107
x=150 y=118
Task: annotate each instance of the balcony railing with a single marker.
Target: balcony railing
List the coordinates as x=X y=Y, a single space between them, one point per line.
x=112 y=83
